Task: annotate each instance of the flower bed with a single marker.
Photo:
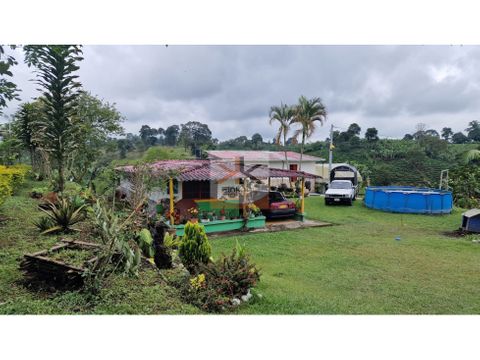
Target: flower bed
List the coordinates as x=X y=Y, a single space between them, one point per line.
x=226 y=225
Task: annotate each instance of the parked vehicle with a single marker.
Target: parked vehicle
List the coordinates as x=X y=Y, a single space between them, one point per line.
x=273 y=204
x=345 y=172
x=340 y=191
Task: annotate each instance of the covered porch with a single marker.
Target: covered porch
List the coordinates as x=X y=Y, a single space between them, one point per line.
x=220 y=193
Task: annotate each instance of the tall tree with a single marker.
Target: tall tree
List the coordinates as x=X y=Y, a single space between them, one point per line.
x=284 y=115
x=171 y=135
x=307 y=113
x=8 y=89
x=26 y=127
x=459 y=138
x=447 y=133
x=95 y=120
x=371 y=135
x=56 y=67
x=194 y=134
x=354 y=129
x=148 y=135
x=473 y=131
x=257 y=140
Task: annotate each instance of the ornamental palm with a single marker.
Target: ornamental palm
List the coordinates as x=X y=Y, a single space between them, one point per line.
x=56 y=67
x=284 y=115
x=307 y=112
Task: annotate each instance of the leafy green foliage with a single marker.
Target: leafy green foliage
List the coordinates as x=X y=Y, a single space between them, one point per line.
x=11 y=177
x=119 y=252
x=94 y=121
x=64 y=214
x=307 y=113
x=145 y=241
x=8 y=89
x=194 y=248
x=44 y=223
x=171 y=241
x=465 y=184
x=217 y=283
x=193 y=135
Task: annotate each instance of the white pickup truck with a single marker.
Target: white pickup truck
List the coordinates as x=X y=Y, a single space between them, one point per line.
x=340 y=191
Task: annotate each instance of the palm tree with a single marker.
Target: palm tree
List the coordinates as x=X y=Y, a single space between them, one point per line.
x=307 y=112
x=284 y=115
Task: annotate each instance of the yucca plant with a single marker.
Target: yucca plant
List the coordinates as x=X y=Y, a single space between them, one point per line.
x=44 y=223
x=64 y=214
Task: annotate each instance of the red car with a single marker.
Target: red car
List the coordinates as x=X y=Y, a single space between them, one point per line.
x=274 y=204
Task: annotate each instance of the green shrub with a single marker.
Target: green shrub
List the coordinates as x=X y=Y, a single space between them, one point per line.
x=218 y=283
x=11 y=178
x=145 y=242
x=38 y=192
x=465 y=184
x=194 y=248
x=71 y=189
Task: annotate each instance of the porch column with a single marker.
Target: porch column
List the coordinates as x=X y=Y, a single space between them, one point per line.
x=172 y=210
x=269 y=184
x=302 y=191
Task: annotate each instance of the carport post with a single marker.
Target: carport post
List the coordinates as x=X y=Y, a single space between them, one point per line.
x=302 y=191
x=172 y=210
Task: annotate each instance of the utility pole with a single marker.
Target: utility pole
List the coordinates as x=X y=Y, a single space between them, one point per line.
x=330 y=152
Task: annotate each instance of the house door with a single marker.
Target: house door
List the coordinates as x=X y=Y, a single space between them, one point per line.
x=196 y=190
x=295 y=168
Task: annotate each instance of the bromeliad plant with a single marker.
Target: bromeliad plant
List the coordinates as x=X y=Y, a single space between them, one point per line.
x=63 y=214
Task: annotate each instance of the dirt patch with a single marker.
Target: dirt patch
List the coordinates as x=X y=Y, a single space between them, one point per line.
x=459 y=233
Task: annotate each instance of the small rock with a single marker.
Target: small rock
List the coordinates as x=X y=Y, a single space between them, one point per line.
x=236 y=302
x=247 y=296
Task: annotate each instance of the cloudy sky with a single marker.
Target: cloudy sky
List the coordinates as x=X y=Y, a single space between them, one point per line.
x=231 y=88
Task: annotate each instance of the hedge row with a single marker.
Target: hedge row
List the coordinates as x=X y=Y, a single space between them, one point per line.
x=10 y=178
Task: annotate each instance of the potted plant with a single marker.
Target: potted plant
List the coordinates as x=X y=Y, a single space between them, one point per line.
x=193 y=211
x=253 y=210
x=204 y=218
x=222 y=213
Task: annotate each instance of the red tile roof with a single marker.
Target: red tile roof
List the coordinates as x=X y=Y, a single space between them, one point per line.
x=262 y=156
x=198 y=170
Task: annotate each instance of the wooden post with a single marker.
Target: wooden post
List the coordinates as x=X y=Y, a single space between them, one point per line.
x=302 y=207
x=172 y=210
x=269 y=185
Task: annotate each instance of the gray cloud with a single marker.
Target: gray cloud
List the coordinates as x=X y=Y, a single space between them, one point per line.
x=231 y=88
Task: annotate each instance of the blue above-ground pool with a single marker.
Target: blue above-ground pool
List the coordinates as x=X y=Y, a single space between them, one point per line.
x=406 y=199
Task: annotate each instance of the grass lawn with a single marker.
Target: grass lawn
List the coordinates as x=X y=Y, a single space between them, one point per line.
x=147 y=294
x=357 y=266
x=354 y=267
